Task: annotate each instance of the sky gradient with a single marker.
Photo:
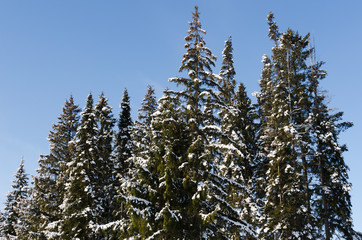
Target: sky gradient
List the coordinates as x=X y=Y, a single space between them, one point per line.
x=52 y=49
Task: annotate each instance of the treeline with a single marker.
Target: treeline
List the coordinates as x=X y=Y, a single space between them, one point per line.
x=201 y=163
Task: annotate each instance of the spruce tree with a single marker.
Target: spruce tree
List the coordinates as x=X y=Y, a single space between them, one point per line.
x=104 y=165
x=263 y=138
x=15 y=225
x=141 y=130
x=9 y=218
x=160 y=213
x=79 y=205
x=170 y=156
x=142 y=185
x=123 y=139
x=209 y=213
x=331 y=190
x=49 y=183
x=235 y=144
x=288 y=195
x=197 y=62
x=227 y=73
x=122 y=168
x=237 y=118
x=33 y=216
x=299 y=150
x=334 y=201
x=141 y=180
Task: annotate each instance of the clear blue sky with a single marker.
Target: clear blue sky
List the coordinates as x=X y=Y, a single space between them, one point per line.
x=51 y=49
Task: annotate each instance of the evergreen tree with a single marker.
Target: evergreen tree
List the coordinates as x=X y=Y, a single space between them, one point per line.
x=227 y=74
x=333 y=203
x=160 y=213
x=264 y=136
x=49 y=184
x=237 y=120
x=209 y=213
x=197 y=61
x=288 y=191
x=170 y=157
x=299 y=144
x=141 y=130
x=15 y=224
x=80 y=204
x=123 y=150
x=33 y=216
x=123 y=139
x=236 y=145
x=141 y=179
x=103 y=171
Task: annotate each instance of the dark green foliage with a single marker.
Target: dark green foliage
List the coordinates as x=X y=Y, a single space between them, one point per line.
x=274 y=33
x=123 y=139
x=288 y=183
x=208 y=183
x=49 y=184
x=149 y=105
x=142 y=181
x=15 y=224
x=297 y=150
x=236 y=145
x=227 y=81
x=80 y=206
x=165 y=201
x=105 y=123
x=198 y=87
x=122 y=165
x=103 y=172
x=333 y=201
x=142 y=131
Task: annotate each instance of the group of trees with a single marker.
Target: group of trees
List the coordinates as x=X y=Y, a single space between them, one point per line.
x=201 y=163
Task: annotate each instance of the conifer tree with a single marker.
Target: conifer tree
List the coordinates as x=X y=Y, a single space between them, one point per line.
x=145 y=198
x=123 y=139
x=123 y=150
x=80 y=206
x=334 y=201
x=209 y=214
x=141 y=130
x=244 y=135
x=103 y=171
x=197 y=61
x=236 y=144
x=33 y=216
x=149 y=105
x=331 y=191
x=49 y=184
x=160 y=214
x=227 y=74
x=15 y=224
x=288 y=189
x=170 y=158
x=141 y=180
x=237 y=116
x=263 y=136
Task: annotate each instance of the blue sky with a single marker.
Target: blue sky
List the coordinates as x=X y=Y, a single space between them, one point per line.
x=51 y=49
